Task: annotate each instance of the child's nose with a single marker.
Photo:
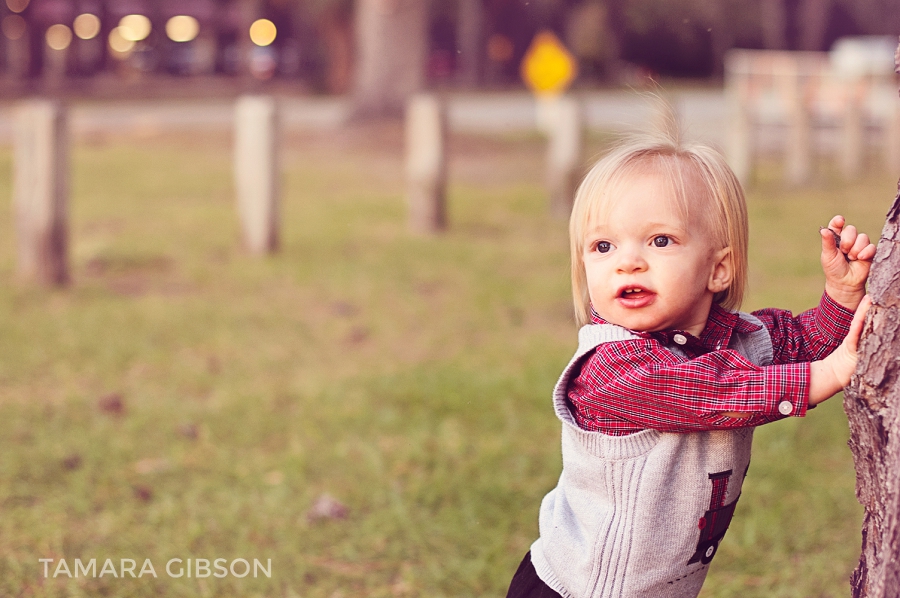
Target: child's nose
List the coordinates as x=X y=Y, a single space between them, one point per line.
x=631 y=260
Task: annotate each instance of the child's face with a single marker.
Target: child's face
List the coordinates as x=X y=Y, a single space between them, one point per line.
x=647 y=268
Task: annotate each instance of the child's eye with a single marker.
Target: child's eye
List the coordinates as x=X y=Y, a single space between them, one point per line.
x=604 y=246
x=661 y=241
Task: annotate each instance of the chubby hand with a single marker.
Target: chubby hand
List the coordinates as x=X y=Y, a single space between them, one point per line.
x=828 y=376
x=846 y=264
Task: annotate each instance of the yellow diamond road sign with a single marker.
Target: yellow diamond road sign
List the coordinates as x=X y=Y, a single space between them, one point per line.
x=548 y=67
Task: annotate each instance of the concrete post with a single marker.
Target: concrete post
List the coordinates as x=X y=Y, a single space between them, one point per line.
x=426 y=164
x=41 y=192
x=852 y=147
x=798 y=159
x=564 y=155
x=739 y=126
x=257 y=172
x=55 y=65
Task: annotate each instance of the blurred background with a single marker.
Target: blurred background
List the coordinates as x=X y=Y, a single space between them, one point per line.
x=362 y=399
x=309 y=45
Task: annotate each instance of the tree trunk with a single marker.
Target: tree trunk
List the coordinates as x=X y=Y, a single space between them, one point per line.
x=773 y=15
x=615 y=44
x=250 y=10
x=391 y=43
x=721 y=35
x=470 y=41
x=872 y=403
x=336 y=27
x=813 y=22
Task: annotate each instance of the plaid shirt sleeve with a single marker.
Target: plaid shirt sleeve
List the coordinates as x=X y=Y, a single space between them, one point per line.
x=628 y=386
x=812 y=335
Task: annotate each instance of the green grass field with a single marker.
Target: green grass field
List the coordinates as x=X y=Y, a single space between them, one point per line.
x=407 y=377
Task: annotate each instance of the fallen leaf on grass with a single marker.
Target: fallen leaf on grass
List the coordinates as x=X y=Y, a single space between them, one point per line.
x=143 y=493
x=327 y=507
x=357 y=336
x=189 y=431
x=344 y=309
x=72 y=462
x=113 y=404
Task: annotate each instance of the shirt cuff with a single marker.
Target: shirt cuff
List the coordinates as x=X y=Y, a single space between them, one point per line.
x=788 y=387
x=833 y=319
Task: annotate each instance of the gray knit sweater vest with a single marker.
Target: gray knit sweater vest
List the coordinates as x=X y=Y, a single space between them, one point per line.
x=640 y=515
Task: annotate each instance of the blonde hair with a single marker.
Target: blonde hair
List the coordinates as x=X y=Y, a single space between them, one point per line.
x=720 y=205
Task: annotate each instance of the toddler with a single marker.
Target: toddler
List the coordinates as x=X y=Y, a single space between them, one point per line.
x=659 y=403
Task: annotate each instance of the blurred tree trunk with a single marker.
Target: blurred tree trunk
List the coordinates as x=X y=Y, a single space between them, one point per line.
x=336 y=28
x=470 y=41
x=250 y=10
x=773 y=16
x=18 y=56
x=391 y=45
x=721 y=33
x=616 y=26
x=872 y=403
x=813 y=22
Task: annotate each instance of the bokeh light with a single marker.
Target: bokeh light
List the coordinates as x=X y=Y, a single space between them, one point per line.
x=134 y=28
x=17 y=5
x=87 y=26
x=263 y=32
x=58 y=36
x=13 y=27
x=119 y=44
x=182 y=28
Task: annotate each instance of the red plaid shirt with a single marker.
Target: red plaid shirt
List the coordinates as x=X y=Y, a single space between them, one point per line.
x=628 y=386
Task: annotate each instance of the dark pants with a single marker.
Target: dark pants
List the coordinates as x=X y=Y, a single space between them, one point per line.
x=526 y=583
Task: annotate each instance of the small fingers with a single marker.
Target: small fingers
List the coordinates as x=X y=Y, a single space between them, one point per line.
x=848 y=238
x=830 y=241
x=836 y=224
x=861 y=242
x=867 y=253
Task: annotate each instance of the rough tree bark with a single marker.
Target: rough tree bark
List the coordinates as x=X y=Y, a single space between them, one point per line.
x=872 y=403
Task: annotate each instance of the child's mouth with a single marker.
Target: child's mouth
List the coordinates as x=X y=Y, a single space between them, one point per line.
x=634 y=296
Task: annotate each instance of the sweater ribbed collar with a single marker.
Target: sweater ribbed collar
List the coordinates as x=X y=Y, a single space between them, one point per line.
x=721 y=324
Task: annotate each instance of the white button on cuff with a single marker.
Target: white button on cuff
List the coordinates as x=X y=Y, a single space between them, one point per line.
x=785 y=408
x=680 y=339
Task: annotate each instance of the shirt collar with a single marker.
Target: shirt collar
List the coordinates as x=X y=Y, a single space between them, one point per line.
x=720 y=325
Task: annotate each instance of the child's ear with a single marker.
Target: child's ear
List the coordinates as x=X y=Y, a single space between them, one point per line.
x=722 y=271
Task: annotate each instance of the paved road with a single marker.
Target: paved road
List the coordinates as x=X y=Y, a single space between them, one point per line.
x=702 y=111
